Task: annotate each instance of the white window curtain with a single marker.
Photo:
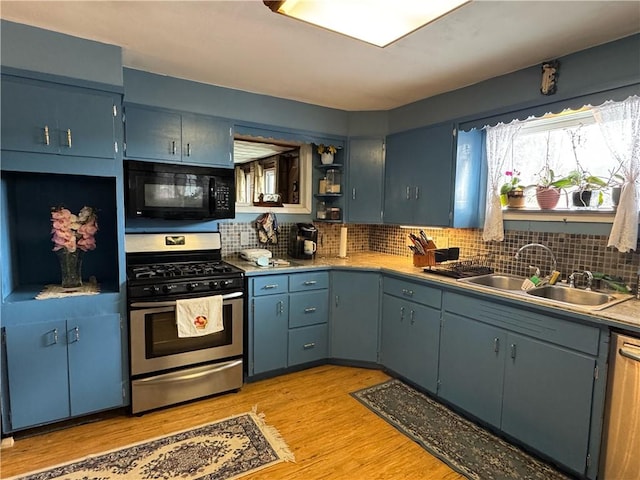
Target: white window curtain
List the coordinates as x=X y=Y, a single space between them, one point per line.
x=620 y=126
x=241 y=186
x=498 y=144
x=258 y=181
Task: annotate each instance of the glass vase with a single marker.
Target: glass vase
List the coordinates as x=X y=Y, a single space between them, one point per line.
x=70 y=268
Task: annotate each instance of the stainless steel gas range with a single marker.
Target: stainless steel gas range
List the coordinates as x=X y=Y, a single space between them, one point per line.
x=165 y=368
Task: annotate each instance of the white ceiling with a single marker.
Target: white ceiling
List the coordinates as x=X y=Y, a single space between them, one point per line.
x=243 y=45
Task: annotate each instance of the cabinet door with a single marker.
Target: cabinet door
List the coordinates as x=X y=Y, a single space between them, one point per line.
x=28 y=118
x=152 y=134
x=86 y=124
x=471 y=366
x=355 y=315
x=398 y=178
x=95 y=363
x=206 y=140
x=547 y=399
x=433 y=175
x=270 y=326
x=410 y=337
x=366 y=168
x=37 y=373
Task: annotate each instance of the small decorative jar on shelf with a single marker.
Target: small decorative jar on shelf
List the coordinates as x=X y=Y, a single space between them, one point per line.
x=333 y=180
x=321 y=210
x=334 y=213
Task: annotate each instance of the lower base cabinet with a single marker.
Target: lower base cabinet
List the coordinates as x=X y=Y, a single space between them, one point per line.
x=540 y=391
x=411 y=331
x=62 y=369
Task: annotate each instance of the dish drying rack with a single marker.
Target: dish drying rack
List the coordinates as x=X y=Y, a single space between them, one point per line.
x=469 y=267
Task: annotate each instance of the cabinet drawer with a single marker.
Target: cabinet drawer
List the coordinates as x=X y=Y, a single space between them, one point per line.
x=308 y=344
x=543 y=326
x=415 y=292
x=308 y=281
x=308 y=308
x=270 y=284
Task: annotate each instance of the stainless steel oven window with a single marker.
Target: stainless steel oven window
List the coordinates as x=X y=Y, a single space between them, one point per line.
x=164 y=312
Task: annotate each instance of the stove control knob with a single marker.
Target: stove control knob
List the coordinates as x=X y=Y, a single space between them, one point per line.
x=153 y=290
x=168 y=288
x=191 y=286
x=225 y=283
x=213 y=285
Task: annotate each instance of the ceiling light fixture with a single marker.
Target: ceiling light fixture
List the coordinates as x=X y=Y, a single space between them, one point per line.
x=379 y=22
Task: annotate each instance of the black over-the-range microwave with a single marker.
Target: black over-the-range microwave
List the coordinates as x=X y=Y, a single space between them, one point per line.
x=172 y=191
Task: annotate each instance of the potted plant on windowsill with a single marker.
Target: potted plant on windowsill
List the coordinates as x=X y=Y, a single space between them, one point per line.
x=585 y=184
x=548 y=188
x=512 y=191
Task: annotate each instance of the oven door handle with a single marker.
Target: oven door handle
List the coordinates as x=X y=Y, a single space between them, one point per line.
x=228 y=296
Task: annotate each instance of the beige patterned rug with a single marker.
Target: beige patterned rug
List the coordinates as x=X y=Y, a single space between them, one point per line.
x=227 y=449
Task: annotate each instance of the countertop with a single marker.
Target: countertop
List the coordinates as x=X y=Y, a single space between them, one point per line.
x=624 y=315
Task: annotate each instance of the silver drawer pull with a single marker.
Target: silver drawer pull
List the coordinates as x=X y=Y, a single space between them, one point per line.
x=268 y=287
x=69 y=137
x=309 y=346
x=408 y=293
x=188 y=149
x=47 y=140
x=310 y=310
x=310 y=282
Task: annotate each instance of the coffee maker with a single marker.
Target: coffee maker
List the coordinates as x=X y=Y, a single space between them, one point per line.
x=303 y=241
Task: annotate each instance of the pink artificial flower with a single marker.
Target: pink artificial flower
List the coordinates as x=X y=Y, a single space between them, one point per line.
x=71 y=231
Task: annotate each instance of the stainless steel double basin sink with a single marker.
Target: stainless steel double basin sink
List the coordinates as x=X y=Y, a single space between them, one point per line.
x=556 y=294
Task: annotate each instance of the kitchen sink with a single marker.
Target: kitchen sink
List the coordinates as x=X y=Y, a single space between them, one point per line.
x=572 y=295
x=496 y=280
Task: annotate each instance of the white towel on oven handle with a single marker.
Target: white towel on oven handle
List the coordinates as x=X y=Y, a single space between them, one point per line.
x=199 y=316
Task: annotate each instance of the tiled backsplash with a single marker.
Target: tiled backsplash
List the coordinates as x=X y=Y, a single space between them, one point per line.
x=573 y=251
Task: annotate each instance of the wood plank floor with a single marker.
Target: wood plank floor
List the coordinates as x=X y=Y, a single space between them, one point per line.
x=331 y=434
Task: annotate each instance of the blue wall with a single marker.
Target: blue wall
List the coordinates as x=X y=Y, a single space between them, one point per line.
x=35 y=49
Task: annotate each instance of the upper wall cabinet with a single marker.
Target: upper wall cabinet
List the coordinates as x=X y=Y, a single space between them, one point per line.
x=419 y=176
x=46 y=118
x=162 y=135
x=365 y=180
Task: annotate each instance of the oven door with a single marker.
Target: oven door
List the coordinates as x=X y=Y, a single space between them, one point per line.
x=155 y=345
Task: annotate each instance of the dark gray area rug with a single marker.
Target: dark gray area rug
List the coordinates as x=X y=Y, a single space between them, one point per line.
x=465 y=447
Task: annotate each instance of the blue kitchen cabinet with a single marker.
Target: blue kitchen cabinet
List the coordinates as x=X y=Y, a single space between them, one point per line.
x=61 y=369
x=287 y=320
x=531 y=375
x=471 y=367
x=46 y=118
x=164 y=135
x=355 y=315
x=365 y=180
x=419 y=168
x=269 y=331
x=411 y=331
x=547 y=398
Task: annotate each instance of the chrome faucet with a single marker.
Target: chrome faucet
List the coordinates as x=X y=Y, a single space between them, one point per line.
x=544 y=247
x=587 y=274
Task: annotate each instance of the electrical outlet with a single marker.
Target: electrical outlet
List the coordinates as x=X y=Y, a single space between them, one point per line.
x=244 y=239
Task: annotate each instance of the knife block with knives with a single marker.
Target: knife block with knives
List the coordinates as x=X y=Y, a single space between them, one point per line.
x=426 y=254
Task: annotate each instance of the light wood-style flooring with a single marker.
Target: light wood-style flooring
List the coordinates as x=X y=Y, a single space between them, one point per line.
x=331 y=434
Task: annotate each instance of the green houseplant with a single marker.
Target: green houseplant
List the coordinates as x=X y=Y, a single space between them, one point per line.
x=585 y=183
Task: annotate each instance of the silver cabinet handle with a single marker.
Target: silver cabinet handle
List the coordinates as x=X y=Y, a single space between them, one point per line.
x=188 y=149
x=76 y=335
x=173 y=147
x=310 y=282
x=280 y=307
x=55 y=335
x=413 y=320
x=408 y=192
x=417 y=193
x=310 y=310
x=407 y=293
x=401 y=314
x=69 y=137
x=513 y=350
x=308 y=346
x=353 y=193
x=337 y=299
x=629 y=354
x=268 y=287
x=496 y=344
x=47 y=140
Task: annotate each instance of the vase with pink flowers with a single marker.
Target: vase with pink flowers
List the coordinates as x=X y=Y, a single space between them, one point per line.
x=72 y=236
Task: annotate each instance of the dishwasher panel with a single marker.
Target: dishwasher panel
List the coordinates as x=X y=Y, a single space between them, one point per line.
x=621 y=441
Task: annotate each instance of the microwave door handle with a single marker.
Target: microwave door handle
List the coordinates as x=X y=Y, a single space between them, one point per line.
x=212 y=195
x=228 y=296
